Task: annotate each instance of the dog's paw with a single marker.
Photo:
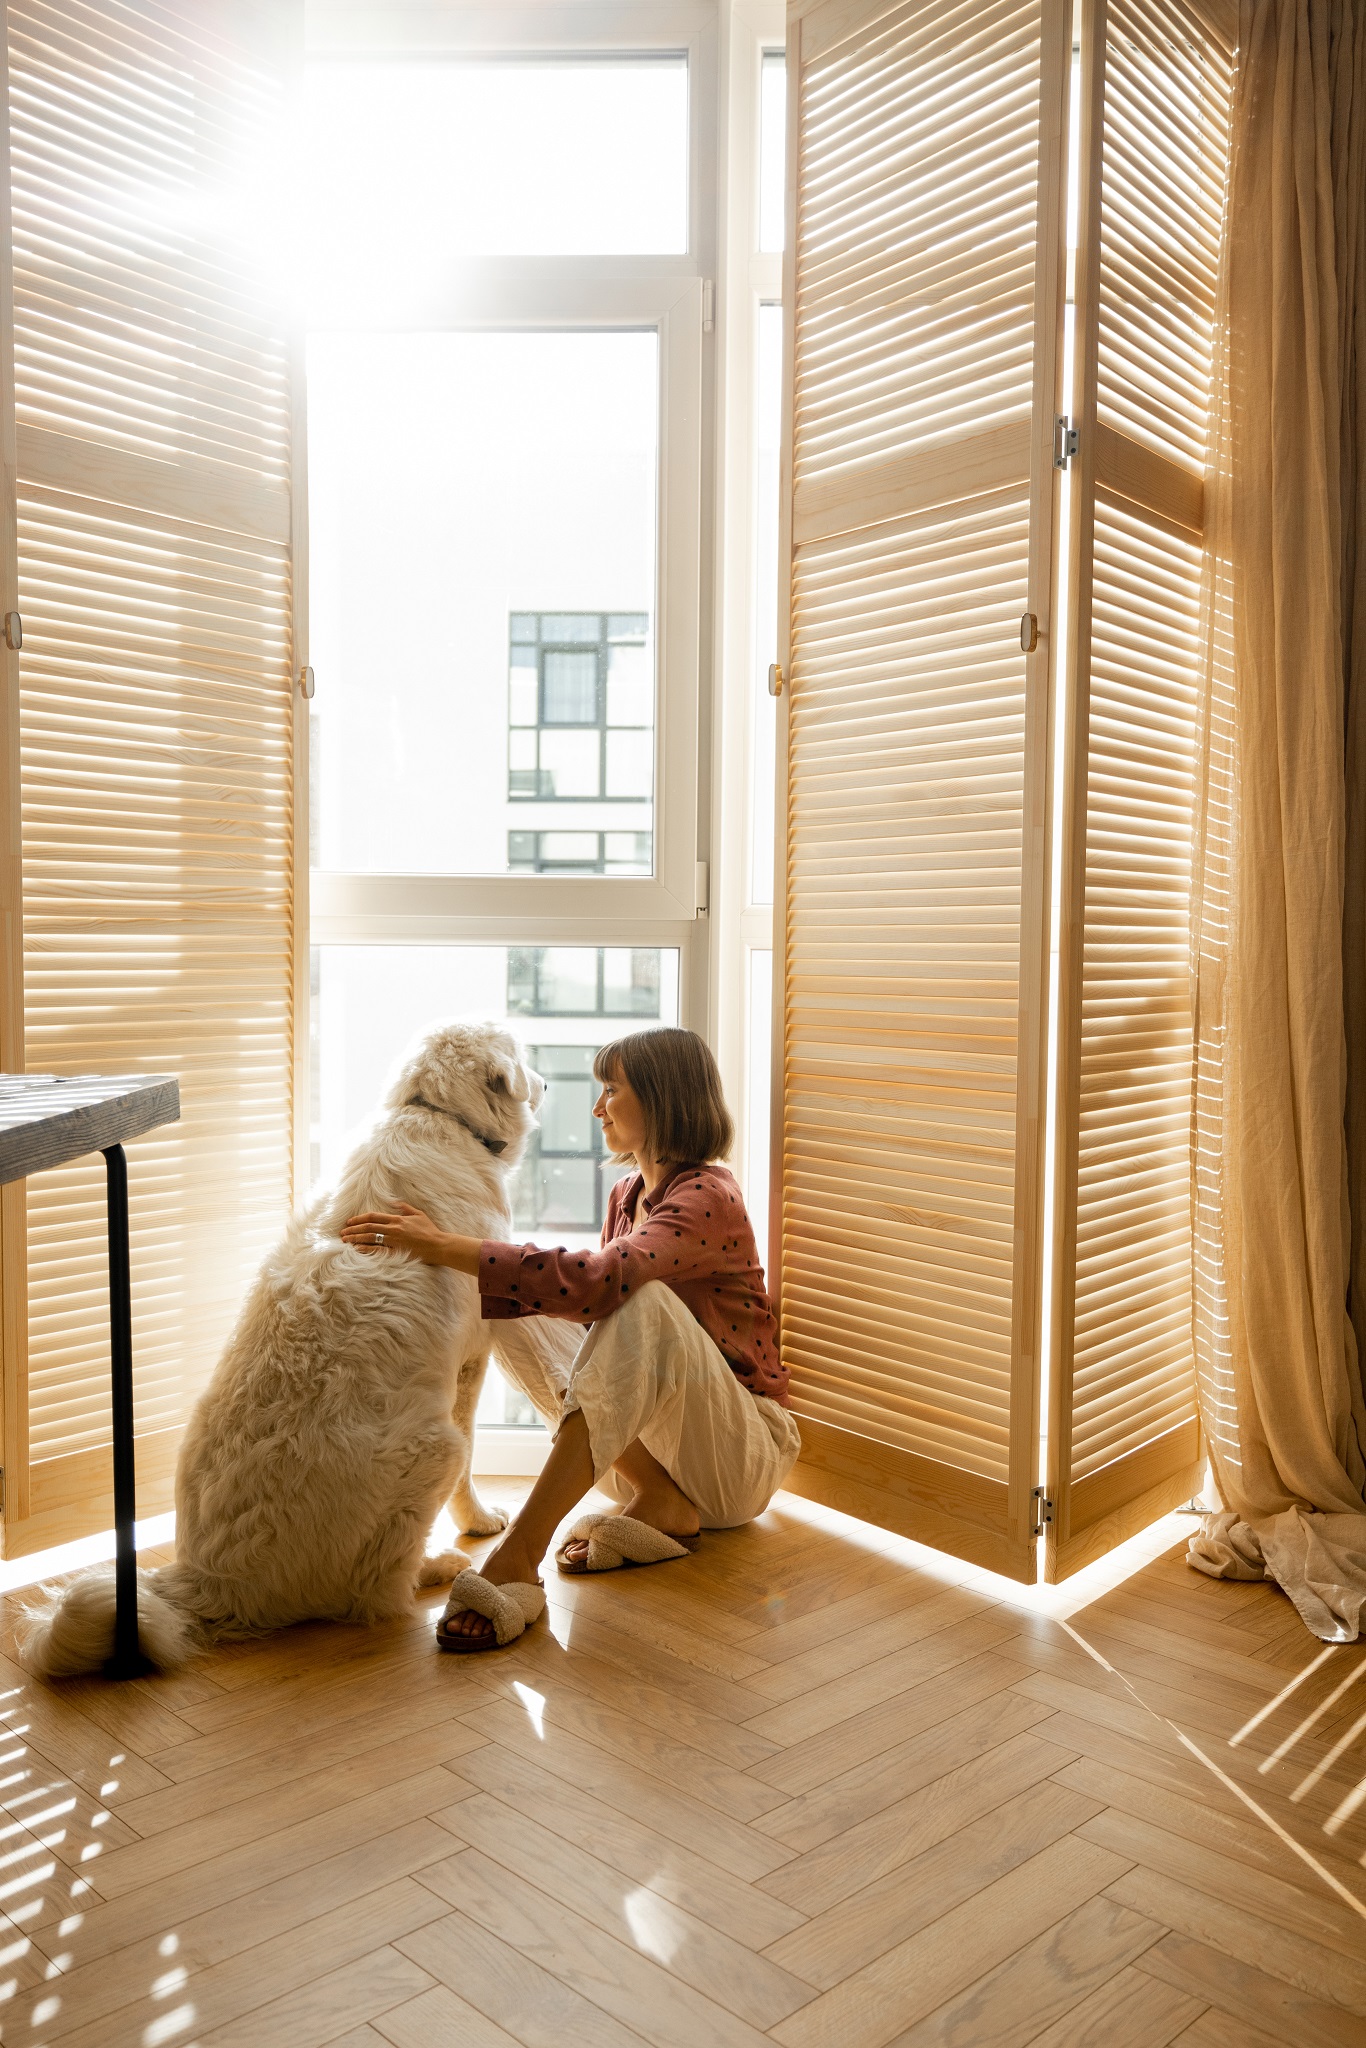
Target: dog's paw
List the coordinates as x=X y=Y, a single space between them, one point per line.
x=481 y=1521
x=441 y=1569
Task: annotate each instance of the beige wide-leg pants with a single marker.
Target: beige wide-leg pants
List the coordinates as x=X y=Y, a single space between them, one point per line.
x=650 y=1371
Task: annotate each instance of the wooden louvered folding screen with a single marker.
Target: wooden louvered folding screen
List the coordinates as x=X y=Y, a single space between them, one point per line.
x=926 y=224
x=1124 y=1443
x=150 y=731
x=924 y=278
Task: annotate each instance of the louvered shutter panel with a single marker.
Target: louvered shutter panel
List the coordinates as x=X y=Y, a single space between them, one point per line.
x=925 y=151
x=155 y=730
x=1124 y=1433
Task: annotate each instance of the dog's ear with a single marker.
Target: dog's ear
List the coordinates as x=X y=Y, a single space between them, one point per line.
x=507 y=1076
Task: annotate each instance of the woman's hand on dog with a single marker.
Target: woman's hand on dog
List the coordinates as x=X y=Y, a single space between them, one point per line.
x=405 y=1229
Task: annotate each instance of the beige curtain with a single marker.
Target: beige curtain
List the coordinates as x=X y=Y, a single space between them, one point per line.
x=1280 y=929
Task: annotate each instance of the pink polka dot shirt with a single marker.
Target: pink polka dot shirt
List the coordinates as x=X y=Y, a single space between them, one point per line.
x=694 y=1235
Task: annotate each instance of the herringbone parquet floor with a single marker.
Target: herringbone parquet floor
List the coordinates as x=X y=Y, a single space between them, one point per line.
x=807 y=1788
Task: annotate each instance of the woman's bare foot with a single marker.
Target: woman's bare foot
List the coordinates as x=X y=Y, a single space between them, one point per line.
x=511 y=1561
x=661 y=1505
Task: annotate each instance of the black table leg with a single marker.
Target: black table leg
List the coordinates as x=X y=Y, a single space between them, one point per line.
x=127 y=1660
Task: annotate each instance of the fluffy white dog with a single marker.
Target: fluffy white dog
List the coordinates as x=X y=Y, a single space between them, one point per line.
x=340 y=1417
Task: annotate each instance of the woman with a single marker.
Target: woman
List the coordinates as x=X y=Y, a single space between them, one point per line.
x=676 y=1399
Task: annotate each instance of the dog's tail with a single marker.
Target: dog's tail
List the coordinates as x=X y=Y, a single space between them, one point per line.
x=71 y=1629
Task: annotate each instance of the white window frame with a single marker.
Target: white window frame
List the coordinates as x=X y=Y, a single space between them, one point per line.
x=667 y=293
x=468 y=906
x=749 y=279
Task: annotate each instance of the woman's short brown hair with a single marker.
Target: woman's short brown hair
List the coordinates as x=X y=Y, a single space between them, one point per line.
x=677 y=1084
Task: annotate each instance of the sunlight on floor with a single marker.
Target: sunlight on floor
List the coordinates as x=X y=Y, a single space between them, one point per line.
x=1056 y=1602
x=1066 y=1606
x=18 y=1572
x=534 y=1702
x=653 y=1924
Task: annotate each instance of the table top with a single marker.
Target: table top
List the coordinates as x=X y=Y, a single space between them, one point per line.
x=49 y=1119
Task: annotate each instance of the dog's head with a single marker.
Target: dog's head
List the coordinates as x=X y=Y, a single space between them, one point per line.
x=475 y=1073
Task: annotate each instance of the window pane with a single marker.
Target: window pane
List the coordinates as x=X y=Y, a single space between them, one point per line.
x=571 y=765
x=630 y=761
x=579 y=848
x=630 y=686
x=566 y=982
x=568 y=1193
x=768 y=418
x=627 y=853
x=574 y=626
x=410 y=164
x=482 y=511
x=562 y=1002
x=570 y=689
x=631 y=983
x=522 y=695
x=567 y=1119
x=772 y=149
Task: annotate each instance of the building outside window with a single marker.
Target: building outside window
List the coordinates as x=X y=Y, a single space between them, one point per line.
x=599 y=992
x=581 y=741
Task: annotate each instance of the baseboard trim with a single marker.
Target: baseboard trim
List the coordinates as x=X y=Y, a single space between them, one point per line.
x=510 y=1453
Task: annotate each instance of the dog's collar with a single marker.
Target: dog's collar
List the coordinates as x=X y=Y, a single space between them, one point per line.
x=494 y=1145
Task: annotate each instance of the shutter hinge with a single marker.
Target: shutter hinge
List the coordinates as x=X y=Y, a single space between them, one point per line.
x=306 y=682
x=2 y=1489
x=1066 y=441
x=708 y=304
x=14 y=631
x=775 y=679
x=703 y=889
x=1043 y=1511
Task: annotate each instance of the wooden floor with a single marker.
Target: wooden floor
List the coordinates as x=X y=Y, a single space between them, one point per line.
x=796 y=1790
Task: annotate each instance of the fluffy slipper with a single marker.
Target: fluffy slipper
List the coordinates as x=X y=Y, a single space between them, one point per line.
x=509 y=1608
x=617 y=1540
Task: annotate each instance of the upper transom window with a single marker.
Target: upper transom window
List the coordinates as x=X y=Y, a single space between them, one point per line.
x=413 y=163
